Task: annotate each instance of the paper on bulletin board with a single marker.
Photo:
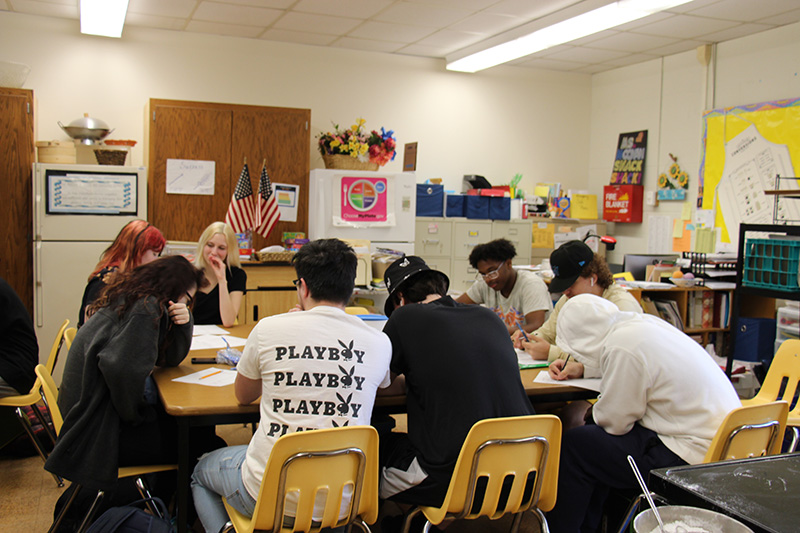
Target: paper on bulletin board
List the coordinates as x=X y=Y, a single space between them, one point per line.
x=584 y=206
x=286 y=195
x=681 y=236
x=705 y=240
x=190 y=176
x=543 y=235
x=659 y=233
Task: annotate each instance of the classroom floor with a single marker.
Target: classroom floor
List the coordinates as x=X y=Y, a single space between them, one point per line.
x=28 y=494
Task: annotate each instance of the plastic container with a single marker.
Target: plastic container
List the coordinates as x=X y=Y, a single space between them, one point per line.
x=772 y=264
x=789 y=320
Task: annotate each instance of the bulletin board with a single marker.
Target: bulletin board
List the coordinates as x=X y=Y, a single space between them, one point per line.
x=744 y=147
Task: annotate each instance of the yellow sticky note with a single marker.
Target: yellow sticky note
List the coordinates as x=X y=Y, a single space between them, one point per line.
x=542 y=191
x=683 y=241
x=584 y=206
x=677 y=229
x=686 y=213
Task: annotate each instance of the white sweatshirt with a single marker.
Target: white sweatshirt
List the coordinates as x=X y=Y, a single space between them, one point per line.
x=652 y=374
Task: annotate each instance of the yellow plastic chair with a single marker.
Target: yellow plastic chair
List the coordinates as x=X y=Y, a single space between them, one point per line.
x=781 y=383
x=356 y=310
x=50 y=393
x=309 y=465
x=34 y=397
x=525 y=449
x=69 y=336
x=747 y=431
x=627 y=276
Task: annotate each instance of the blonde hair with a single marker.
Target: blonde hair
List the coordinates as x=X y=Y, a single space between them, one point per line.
x=232 y=259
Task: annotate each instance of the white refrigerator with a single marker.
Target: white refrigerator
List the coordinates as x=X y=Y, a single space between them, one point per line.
x=377 y=206
x=77 y=212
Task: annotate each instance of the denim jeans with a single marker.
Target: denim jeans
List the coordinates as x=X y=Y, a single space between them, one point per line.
x=218 y=474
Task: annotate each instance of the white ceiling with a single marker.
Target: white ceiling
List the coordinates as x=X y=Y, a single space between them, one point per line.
x=437 y=28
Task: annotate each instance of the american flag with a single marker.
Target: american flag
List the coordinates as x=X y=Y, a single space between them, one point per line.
x=240 y=212
x=268 y=214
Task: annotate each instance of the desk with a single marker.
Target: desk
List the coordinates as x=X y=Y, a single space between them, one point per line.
x=758 y=492
x=195 y=405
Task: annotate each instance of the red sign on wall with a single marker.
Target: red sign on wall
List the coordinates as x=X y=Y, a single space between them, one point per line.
x=622 y=203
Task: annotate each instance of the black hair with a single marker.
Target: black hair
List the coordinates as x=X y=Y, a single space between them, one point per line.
x=419 y=286
x=328 y=267
x=496 y=250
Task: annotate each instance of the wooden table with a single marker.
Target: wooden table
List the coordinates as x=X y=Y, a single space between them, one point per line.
x=194 y=405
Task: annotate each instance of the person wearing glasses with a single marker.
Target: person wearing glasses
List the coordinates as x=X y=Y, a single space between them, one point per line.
x=112 y=416
x=519 y=297
x=137 y=243
x=218 y=257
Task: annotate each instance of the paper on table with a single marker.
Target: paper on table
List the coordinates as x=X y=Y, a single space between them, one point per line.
x=581 y=383
x=209 y=330
x=210 y=342
x=526 y=361
x=210 y=377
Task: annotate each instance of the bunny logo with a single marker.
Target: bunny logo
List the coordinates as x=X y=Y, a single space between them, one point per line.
x=344 y=406
x=347 y=378
x=337 y=425
x=347 y=350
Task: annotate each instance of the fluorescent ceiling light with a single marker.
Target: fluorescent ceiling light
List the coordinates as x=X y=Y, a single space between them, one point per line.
x=594 y=21
x=103 y=17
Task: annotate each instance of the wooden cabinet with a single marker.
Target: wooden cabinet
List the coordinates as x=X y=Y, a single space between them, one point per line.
x=270 y=291
x=225 y=134
x=16 y=219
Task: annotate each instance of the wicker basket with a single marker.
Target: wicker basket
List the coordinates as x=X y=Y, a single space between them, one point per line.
x=274 y=257
x=346 y=162
x=111 y=157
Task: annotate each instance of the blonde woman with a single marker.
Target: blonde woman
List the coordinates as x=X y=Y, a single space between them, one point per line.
x=218 y=257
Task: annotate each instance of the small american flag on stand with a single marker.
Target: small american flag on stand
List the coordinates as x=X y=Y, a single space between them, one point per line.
x=268 y=213
x=240 y=211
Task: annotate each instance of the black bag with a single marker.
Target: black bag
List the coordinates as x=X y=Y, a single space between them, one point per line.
x=133 y=518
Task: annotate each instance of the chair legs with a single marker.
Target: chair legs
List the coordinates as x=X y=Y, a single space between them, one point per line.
x=26 y=425
x=409 y=517
x=795 y=438
x=144 y=492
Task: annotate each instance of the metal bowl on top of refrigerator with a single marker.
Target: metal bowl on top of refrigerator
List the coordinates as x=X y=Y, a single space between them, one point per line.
x=87 y=129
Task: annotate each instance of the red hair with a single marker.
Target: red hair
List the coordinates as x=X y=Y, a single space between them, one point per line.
x=131 y=243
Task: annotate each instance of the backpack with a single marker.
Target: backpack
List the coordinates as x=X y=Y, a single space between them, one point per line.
x=133 y=518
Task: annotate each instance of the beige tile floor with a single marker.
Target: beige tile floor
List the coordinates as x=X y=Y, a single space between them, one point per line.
x=28 y=495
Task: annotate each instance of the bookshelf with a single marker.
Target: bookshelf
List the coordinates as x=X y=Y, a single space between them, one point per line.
x=691 y=304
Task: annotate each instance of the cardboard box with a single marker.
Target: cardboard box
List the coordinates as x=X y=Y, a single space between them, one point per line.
x=623 y=203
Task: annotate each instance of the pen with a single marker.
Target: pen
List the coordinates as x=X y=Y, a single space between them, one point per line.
x=226 y=342
x=519 y=325
x=211 y=374
x=567 y=360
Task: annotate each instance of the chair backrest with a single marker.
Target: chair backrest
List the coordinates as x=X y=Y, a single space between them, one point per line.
x=339 y=463
x=56 y=348
x=525 y=450
x=69 y=336
x=749 y=431
x=781 y=382
x=356 y=310
x=627 y=276
x=45 y=379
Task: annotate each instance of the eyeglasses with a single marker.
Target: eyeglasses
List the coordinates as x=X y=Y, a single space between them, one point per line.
x=189 y=300
x=296 y=282
x=491 y=274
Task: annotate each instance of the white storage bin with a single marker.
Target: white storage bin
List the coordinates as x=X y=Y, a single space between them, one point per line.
x=789 y=321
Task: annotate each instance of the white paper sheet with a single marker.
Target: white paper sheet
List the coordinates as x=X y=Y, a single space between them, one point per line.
x=209 y=330
x=210 y=377
x=215 y=342
x=526 y=361
x=581 y=383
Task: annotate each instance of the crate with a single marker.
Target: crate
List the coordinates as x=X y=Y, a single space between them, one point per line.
x=772 y=264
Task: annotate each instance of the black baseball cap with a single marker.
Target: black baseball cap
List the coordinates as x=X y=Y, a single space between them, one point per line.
x=567 y=262
x=400 y=271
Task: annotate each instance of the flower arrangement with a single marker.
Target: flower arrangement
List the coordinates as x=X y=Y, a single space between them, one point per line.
x=373 y=147
x=673 y=185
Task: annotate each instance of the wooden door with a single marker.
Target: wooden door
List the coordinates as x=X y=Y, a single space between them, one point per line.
x=279 y=136
x=187 y=130
x=16 y=219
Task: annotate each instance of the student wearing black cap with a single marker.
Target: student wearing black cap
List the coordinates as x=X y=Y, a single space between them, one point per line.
x=455 y=364
x=577 y=270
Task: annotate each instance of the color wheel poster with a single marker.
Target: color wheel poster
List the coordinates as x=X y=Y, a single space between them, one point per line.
x=364 y=201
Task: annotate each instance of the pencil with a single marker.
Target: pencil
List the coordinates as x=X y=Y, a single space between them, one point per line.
x=567 y=360
x=211 y=374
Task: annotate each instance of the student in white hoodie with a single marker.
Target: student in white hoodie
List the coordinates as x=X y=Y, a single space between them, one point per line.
x=661 y=401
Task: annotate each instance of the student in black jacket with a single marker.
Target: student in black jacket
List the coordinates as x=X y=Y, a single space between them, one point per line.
x=19 y=351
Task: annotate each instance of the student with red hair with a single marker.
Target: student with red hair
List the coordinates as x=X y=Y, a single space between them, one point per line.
x=137 y=243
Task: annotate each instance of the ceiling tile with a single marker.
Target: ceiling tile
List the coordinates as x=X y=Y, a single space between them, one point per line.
x=529 y=10
x=383 y=31
x=47 y=9
x=360 y=9
x=745 y=10
x=686 y=26
x=153 y=21
x=420 y=15
x=486 y=23
x=586 y=55
x=235 y=30
x=310 y=23
x=298 y=37
x=235 y=14
x=173 y=8
x=693 y=6
x=548 y=64
x=277 y=4
x=452 y=40
x=741 y=30
x=366 y=44
x=471 y=5
x=630 y=60
x=677 y=48
x=789 y=17
x=632 y=42
x=421 y=50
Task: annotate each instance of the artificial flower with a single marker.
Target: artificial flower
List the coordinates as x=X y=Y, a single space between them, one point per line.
x=375 y=147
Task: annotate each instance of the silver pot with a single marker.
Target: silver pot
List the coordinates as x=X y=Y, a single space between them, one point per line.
x=87 y=129
x=690 y=518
